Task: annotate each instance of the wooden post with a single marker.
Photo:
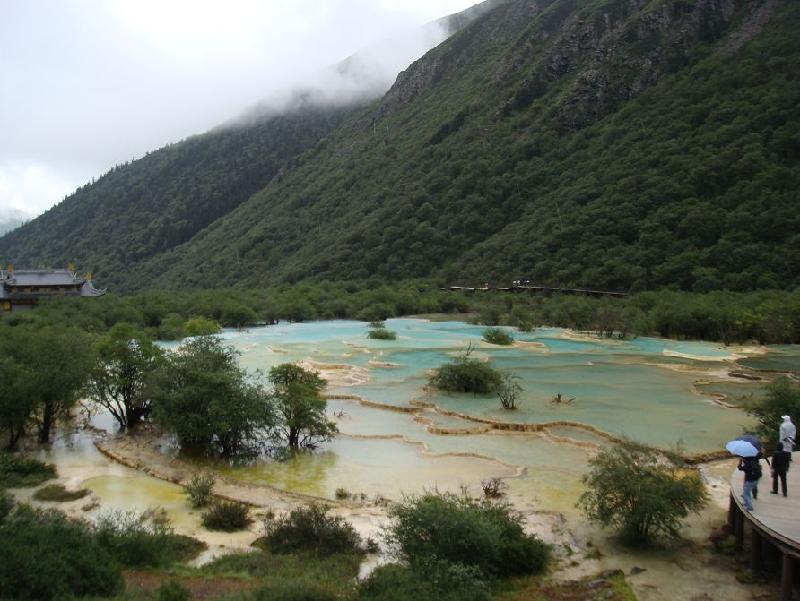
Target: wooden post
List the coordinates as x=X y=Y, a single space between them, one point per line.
x=755 y=552
x=732 y=512
x=787 y=577
x=739 y=529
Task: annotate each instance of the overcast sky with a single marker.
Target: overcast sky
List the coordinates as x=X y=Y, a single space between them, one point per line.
x=87 y=84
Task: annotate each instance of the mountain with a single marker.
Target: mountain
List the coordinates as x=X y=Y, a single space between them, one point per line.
x=141 y=209
x=12 y=219
x=620 y=144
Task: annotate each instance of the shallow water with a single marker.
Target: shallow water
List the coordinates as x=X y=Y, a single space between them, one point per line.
x=642 y=389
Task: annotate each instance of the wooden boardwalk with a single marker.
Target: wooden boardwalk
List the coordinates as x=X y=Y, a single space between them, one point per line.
x=774 y=522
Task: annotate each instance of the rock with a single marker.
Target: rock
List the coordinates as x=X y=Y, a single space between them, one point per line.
x=90 y=506
x=637 y=570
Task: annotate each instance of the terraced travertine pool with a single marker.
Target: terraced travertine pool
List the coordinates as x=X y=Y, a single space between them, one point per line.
x=656 y=391
x=397 y=436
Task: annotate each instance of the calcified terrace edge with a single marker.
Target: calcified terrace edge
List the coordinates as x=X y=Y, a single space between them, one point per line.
x=417 y=406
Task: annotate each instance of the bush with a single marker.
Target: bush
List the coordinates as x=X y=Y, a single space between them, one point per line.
x=20 y=472
x=56 y=493
x=173 y=591
x=227 y=516
x=200 y=490
x=640 y=493
x=144 y=540
x=508 y=391
x=437 y=580
x=294 y=592
x=311 y=530
x=465 y=374
x=46 y=556
x=342 y=494
x=382 y=334
x=498 y=336
x=461 y=530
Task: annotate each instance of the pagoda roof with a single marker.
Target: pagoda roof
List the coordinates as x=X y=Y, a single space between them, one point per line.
x=58 y=277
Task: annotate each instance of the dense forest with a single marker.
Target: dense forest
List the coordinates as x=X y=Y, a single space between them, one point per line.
x=611 y=143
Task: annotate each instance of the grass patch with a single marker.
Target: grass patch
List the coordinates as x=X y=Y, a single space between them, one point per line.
x=56 y=493
x=334 y=573
x=17 y=471
x=144 y=540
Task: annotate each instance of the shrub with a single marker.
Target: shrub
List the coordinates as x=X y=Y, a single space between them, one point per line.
x=437 y=580
x=494 y=488
x=56 y=493
x=382 y=334
x=310 y=529
x=461 y=530
x=342 y=494
x=498 y=336
x=144 y=540
x=19 y=472
x=508 y=391
x=465 y=374
x=173 y=591
x=227 y=516
x=46 y=556
x=200 y=490
x=640 y=493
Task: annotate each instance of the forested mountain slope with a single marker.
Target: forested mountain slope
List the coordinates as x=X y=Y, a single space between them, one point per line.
x=143 y=208
x=617 y=144
x=150 y=205
x=625 y=144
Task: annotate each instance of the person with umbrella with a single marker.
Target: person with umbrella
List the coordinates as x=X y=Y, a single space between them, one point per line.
x=748 y=448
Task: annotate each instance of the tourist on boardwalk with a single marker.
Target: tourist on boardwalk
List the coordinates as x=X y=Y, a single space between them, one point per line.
x=752 y=474
x=787 y=435
x=780 y=465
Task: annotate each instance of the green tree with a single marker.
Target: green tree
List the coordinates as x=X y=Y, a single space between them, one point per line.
x=125 y=359
x=209 y=402
x=16 y=403
x=62 y=358
x=640 y=493
x=782 y=398
x=200 y=326
x=300 y=407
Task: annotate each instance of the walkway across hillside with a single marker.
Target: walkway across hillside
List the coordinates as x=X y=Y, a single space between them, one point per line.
x=774 y=523
x=534 y=289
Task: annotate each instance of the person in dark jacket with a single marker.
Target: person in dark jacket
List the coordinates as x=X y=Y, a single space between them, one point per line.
x=752 y=474
x=780 y=465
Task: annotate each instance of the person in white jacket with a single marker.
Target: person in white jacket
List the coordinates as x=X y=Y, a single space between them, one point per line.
x=788 y=432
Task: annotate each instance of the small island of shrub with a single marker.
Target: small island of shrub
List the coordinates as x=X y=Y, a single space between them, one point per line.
x=382 y=334
x=466 y=374
x=498 y=336
x=57 y=493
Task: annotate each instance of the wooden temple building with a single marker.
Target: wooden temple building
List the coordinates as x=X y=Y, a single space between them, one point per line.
x=21 y=289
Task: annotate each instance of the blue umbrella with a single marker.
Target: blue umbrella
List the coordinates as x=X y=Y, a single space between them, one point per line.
x=742 y=448
x=752 y=439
